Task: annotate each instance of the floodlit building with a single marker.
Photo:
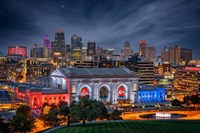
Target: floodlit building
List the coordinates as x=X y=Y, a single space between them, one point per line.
x=151 y=94
x=188 y=78
x=110 y=84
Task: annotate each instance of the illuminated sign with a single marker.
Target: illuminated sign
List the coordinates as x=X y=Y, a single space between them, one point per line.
x=17 y=50
x=121 y=91
x=84 y=91
x=192 y=68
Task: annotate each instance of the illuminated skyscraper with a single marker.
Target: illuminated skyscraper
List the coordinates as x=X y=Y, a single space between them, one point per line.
x=76 y=47
x=76 y=42
x=37 y=51
x=171 y=55
x=91 y=48
x=150 y=53
x=58 y=46
x=127 y=49
x=47 y=43
x=142 y=48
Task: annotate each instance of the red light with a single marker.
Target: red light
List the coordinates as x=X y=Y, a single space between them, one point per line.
x=143 y=42
x=17 y=50
x=121 y=91
x=84 y=92
x=192 y=68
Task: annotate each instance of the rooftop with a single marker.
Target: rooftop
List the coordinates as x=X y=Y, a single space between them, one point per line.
x=97 y=72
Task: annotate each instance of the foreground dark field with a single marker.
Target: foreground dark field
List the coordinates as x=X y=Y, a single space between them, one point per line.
x=167 y=126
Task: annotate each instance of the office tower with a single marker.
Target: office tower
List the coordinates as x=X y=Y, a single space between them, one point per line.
x=37 y=51
x=17 y=50
x=171 y=55
x=174 y=55
x=150 y=53
x=145 y=71
x=127 y=49
x=91 y=48
x=186 y=55
x=142 y=48
x=76 y=42
x=58 y=46
x=165 y=54
x=187 y=78
x=47 y=43
x=76 y=47
x=68 y=51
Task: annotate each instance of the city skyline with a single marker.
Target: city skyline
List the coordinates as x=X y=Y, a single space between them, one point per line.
x=108 y=23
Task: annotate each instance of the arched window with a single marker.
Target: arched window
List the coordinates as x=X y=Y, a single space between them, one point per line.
x=103 y=92
x=121 y=92
x=84 y=92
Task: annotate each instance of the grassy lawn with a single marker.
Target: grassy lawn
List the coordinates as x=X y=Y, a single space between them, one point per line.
x=167 y=126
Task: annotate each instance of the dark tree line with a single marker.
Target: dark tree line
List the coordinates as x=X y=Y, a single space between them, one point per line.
x=188 y=101
x=83 y=110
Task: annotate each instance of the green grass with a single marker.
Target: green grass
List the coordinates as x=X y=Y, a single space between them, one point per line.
x=168 y=126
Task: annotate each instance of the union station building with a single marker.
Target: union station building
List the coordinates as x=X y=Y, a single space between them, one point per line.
x=110 y=84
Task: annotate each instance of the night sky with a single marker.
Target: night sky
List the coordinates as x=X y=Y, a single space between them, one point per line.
x=107 y=22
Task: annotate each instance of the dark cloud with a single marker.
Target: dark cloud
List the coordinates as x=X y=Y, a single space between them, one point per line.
x=108 y=22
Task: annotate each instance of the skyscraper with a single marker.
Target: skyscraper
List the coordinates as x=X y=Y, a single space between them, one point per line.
x=37 y=51
x=46 y=42
x=150 y=53
x=76 y=42
x=171 y=55
x=165 y=54
x=91 y=48
x=58 y=46
x=76 y=47
x=127 y=49
x=142 y=48
x=186 y=55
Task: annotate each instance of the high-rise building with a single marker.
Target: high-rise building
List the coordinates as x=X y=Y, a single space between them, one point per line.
x=76 y=42
x=76 y=47
x=188 y=78
x=47 y=43
x=186 y=55
x=127 y=49
x=171 y=55
x=150 y=53
x=37 y=51
x=142 y=48
x=174 y=55
x=17 y=50
x=58 y=46
x=145 y=71
x=91 y=48
x=165 y=54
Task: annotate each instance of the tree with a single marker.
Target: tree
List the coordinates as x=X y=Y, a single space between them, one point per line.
x=115 y=115
x=84 y=109
x=186 y=100
x=23 y=121
x=24 y=109
x=195 y=99
x=64 y=110
x=4 y=126
x=103 y=113
x=176 y=102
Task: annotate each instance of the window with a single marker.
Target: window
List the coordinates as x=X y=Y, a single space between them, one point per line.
x=103 y=92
